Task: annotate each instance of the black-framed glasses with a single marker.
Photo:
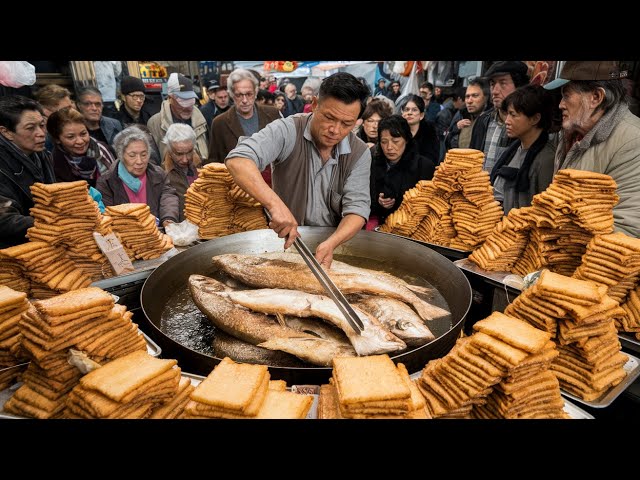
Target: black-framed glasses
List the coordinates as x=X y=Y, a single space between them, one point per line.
x=136 y=96
x=248 y=95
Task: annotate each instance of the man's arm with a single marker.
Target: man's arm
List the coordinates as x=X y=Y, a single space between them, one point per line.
x=347 y=228
x=246 y=174
x=273 y=142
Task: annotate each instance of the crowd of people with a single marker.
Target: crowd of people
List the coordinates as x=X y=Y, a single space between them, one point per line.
x=338 y=154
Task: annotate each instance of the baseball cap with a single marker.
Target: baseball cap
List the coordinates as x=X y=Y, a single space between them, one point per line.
x=213 y=85
x=180 y=86
x=382 y=80
x=587 y=71
x=510 y=66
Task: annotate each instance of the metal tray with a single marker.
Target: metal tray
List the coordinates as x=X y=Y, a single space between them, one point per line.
x=153 y=348
x=629 y=341
x=632 y=367
x=496 y=278
x=442 y=250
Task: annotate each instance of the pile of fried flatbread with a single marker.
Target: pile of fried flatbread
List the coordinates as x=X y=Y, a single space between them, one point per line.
x=242 y=390
x=220 y=207
x=85 y=319
x=456 y=209
x=12 y=305
x=501 y=371
x=370 y=387
x=136 y=226
x=580 y=317
x=554 y=231
x=65 y=215
x=613 y=260
x=48 y=268
x=130 y=387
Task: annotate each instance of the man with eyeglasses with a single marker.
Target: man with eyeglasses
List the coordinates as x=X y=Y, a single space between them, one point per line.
x=243 y=119
x=101 y=128
x=133 y=100
x=179 y=108
x=321 y=168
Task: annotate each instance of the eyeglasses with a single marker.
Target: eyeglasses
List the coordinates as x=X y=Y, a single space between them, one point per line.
x=410 y=110
x=91 y=104
x=248 y=95
x=136 y=96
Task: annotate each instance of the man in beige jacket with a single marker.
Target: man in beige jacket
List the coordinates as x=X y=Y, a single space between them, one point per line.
x=179 y=108
x=600 y=134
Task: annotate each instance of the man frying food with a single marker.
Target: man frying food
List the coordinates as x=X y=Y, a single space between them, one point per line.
x=320 y=169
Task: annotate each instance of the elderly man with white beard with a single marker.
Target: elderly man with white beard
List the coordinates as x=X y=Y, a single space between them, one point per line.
x=600 y=134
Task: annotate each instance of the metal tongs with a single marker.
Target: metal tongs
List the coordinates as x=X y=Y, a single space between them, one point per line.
x=332 y=290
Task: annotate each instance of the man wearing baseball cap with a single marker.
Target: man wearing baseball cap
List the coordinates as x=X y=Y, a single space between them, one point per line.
x=179 y=108
x=600 y=134
x=218 y=101
x=489 y=133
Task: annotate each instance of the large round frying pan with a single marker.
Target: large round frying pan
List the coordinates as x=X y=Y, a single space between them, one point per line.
x=406 y=255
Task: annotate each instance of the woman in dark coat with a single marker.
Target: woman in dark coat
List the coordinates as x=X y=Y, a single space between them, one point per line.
x=76 y=155
x=424 y=132
x=396 y=167
x=133 y=179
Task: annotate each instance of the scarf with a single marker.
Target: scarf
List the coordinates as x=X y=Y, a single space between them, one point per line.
x=521 y=175
x=129 y=180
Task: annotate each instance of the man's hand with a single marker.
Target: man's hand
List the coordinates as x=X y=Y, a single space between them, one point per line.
x=284 y=224
x=324 y=254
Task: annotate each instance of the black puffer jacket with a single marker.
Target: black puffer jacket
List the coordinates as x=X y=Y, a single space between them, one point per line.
x=411 y=168
x=17 y=174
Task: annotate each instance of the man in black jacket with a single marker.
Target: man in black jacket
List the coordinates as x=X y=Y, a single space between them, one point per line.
x=23 y=162
x=489 y=133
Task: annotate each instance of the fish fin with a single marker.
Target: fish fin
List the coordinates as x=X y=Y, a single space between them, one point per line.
x=420 y=289
x=280 y=318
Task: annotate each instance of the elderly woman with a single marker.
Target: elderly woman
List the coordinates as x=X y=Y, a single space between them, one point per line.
x=396 y=167
x=132 y=179
x=181 y=160
x=76 y=155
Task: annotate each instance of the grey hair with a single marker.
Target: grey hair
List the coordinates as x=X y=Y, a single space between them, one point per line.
x=83 y=92
x=238 y=75
x=130 y=134
x=614 y=92
x=179 y=132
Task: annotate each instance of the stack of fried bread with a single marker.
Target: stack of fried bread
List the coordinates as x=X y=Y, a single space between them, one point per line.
x=129 y=387
x=580 y=316
x=456 y=209
x=48 y=267
x=370 y=387
x=500 y=371
x=84 y=319
x=575 y=207
x=12 y=304
x=13 y=274
x=529 y=389
x=613 y=260
x=136 y=226
x=631 y=321
x=241 y=390
x=220 y=207
x=65 y=215
x=174 y=407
